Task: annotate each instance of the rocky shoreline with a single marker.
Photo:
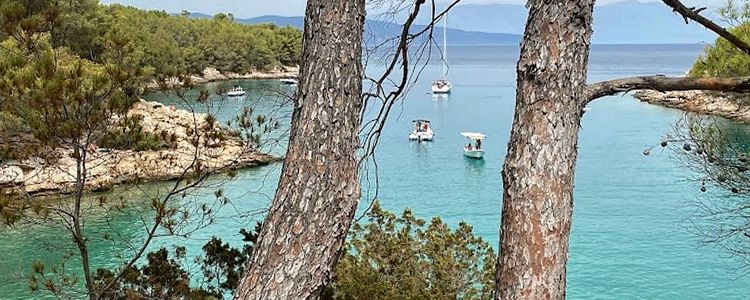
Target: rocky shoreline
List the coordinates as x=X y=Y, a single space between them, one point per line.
x=700 y=102
x=108 y=168
x=212 y=75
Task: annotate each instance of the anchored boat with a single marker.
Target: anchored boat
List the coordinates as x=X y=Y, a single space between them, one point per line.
x=474 y=148
x=236 y=91
x=289 y=81
x=443 y=85
x=422 y=131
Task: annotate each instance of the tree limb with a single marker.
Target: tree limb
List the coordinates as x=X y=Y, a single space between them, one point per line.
x=664 y=84
x=694 y=14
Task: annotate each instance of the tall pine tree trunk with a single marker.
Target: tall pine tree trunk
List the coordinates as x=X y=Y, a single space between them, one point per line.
x=539 y=167
x=316 y=199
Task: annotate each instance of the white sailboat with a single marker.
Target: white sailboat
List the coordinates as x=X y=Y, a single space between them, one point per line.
x=443 y=85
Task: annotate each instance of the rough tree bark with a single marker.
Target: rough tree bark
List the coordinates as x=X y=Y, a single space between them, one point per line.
x=316 y=199
x=539 y=167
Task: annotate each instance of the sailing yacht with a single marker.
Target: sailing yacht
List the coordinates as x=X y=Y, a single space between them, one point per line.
x=442 y=85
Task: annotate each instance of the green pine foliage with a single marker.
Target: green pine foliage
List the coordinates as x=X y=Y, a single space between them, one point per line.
x=404 y=257
x=68 y=66
x=129 y=135
x=388 y=257
x=178 y=43
x=166 y=42
x=724 y=59
x=60 y=97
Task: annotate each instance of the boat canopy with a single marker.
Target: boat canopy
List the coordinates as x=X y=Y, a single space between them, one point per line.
x=474 y=135
x=421 y=121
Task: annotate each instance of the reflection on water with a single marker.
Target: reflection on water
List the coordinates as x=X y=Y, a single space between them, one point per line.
x=421 y=148
x=474 y=167
x=439 y=97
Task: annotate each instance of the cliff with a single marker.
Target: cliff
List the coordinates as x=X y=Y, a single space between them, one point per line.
x=108 y=167
x=727 y=105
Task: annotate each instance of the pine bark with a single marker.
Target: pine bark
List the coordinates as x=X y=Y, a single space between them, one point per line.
x=304 y=231
x=539 y=168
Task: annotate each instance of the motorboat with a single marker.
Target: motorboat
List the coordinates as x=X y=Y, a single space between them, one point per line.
x=289 y=81
x=422 y=131
x=236 y=91
x=443 y=85
x=474 y=148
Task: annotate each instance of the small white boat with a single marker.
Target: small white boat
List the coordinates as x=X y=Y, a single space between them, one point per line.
x=474 y=148
x=441 y=86
x=422 y=131
x=236 y=91
x=289 y=81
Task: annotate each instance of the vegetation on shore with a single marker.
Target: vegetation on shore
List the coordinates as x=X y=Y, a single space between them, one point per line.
x=181 y=45
x=387 y=257
x=69 y=73
x=713 y=149
x=722 y=59
x=56 y=55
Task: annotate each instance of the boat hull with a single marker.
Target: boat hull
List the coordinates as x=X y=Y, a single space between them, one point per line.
x=423 y=136
x=478 y=154
x=236 y=94
x=441 y=90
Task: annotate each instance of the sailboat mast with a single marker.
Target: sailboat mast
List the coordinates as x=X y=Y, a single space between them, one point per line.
x=445 y=46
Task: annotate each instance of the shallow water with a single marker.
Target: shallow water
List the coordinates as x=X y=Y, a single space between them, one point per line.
x=629 y=237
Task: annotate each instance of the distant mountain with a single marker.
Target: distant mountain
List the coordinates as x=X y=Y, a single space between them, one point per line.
x=297 y=22
x=378 y=31
x=629 y=22
x=505 y=18
x=199 y=16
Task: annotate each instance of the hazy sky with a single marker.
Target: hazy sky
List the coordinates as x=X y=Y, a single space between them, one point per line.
x=254 y=8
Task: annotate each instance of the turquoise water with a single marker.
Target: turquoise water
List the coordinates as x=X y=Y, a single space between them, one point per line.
x=630 y=238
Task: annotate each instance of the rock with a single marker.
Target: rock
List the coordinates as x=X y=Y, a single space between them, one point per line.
x=707 y=103
x=113 y=167
x=31 y=163
x=11 y=175
x=212 y=74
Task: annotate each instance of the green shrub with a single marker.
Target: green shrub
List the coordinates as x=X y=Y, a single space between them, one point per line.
x=405 y=257
x=131 y=136
x=723 y=59
x=389 y=257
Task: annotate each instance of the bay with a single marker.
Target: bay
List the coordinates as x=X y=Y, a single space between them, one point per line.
x=630 y=237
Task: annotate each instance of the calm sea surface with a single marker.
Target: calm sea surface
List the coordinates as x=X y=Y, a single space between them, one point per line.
x=629 y=237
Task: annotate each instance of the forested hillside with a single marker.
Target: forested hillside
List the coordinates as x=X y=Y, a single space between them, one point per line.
x=193 y=44
x=58 y=55
x=156 y=39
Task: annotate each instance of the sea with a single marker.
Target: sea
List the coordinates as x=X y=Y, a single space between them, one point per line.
x=633 y=233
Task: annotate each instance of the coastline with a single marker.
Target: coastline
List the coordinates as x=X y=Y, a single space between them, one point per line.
x=700 y=102
x=211 y=74
x=109 y=168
